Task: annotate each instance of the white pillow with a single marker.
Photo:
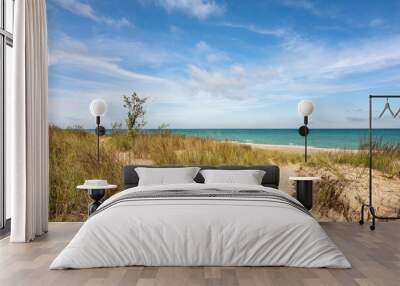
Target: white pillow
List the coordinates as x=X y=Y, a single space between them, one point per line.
x=166 y=176
x=248 y=177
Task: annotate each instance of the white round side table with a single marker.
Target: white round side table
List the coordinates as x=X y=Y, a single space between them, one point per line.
x=96 y=193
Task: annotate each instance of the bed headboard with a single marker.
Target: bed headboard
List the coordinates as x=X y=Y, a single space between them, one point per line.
x=270 y=179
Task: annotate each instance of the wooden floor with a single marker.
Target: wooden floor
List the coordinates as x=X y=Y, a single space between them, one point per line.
x=375 y=257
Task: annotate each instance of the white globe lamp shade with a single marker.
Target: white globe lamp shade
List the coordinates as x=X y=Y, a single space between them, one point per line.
x=98 y=107
x=305 y=107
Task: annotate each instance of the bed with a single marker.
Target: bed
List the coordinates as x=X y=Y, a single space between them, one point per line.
x=198 y=224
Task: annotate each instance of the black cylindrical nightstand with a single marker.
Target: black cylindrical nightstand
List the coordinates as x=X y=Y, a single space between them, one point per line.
x=96 y=193
x=304 y=190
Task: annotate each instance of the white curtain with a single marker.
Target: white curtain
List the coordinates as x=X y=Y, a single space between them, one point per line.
x=28 y=123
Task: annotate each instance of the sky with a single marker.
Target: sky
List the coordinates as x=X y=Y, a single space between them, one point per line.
x=224 y=64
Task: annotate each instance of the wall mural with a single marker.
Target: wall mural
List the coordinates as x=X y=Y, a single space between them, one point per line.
x=219 y=83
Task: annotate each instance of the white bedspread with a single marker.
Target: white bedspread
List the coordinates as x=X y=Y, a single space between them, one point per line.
x=200 y=231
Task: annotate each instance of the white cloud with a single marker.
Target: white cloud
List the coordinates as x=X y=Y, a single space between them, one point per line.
x=305 y=5
x=300 y=68
x=175 y=30
x=201 y=9
x=323 y=9
x=202 y=46
x=197 y=93
x=237 y=69
x=365 y=56
x=99 y=65
x=210 y=54
x=277 y=32
x=377 y=22
x=326 y=10
x=74 y=53
x=215 y=84
x=145 y=54
x=217 y=57
x=79 y=8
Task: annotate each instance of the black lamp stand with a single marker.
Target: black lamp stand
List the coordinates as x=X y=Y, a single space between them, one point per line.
x=303 y=131
x=100 y=131
x=305 y=138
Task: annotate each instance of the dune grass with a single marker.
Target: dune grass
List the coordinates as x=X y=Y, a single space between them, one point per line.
x=166 y=148
x=344 y=179
x=386 y=158
x=73 y=159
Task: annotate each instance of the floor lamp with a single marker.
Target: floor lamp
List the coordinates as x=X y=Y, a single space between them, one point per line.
x=98 y=107
x=305 y=108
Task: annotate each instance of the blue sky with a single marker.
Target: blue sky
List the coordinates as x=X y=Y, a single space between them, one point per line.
x=224 y=64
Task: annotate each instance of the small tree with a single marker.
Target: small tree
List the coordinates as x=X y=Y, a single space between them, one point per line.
x=135 y=117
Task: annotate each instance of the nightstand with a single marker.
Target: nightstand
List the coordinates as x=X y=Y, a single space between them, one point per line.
x=304 y=190
x=96 y=193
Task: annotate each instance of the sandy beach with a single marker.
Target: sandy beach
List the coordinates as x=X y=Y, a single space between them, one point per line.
x=293 y=148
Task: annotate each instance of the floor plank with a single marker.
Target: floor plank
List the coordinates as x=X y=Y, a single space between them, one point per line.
x=375 y=257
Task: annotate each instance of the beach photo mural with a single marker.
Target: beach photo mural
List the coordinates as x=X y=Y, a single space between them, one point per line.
x=209 y=82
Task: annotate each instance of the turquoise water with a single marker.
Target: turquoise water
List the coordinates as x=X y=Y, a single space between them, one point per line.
x=329 y=138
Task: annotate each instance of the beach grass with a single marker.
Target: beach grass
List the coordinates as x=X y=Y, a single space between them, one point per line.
x=385 y=158
x=344 y=181
x=73 y=159
x=165 y=148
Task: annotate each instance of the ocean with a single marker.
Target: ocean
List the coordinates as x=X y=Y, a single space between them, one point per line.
x=324 y=138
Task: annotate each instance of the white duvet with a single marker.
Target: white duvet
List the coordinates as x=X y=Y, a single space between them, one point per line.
x=200 y=231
